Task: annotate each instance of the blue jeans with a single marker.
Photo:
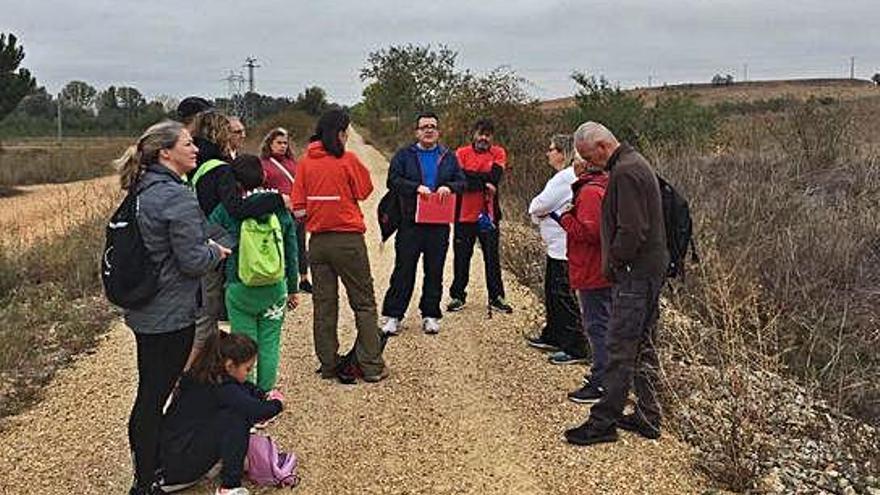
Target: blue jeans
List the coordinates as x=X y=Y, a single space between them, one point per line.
x=595 y=313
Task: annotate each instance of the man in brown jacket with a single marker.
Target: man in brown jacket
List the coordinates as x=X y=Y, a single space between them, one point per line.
x=634 y=259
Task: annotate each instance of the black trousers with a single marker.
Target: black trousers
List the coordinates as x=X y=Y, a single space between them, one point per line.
x=466 y=235
x=563 y=324
x=632 y=355
x=160 y=360
x=223 y=437
x=303 y=250
x=430 y=242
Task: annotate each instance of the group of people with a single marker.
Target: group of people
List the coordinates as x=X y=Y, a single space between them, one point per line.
x=601 y=219
x=227 y=232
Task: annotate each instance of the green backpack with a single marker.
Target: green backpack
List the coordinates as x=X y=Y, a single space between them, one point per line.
x=260 y=252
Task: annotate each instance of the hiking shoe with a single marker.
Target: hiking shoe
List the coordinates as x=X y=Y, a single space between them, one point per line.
x=563 y=357
x=541 y=343
x=431 y=326
x=232 y=491
x=305 y=286
x=348 y=375
x=586 y=434
x=499 y=304
x=455 y=304
x=588 y=394
x=377 y=378
x=391 y=326
x=631 y=422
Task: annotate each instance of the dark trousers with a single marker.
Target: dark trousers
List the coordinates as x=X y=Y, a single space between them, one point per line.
x=343 y=256
x=411 y=242
x=632 y=355
x=596 y=311
x=301 y=248
x=466 y=235
x=160 y=360
x=563 y=323
x=221 y=438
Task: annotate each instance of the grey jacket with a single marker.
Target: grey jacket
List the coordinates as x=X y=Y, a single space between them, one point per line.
x=173 y=228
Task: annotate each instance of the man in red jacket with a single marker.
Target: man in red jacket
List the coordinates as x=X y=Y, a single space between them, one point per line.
x=584 y=249
x=478 y=217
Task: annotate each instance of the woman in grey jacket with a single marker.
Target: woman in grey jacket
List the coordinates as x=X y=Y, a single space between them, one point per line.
x=173 y=229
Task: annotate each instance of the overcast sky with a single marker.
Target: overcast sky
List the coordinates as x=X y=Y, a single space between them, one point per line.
x=182 y=48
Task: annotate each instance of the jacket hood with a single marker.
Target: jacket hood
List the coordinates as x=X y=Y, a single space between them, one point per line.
x=155 y=173
x=415 y=148
x=598 y=178
x=316 y=150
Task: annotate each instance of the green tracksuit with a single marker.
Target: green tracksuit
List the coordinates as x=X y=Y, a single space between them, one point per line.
x=258 y=312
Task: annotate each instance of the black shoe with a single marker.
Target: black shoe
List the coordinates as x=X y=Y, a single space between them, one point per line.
x=540 y=342
x=588 y=394
x=499 y=304
x=456 y=304
x=348 y=375
x=305 y=286
x=585 y=434
x=631 y=422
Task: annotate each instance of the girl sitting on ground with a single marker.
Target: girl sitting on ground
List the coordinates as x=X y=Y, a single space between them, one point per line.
x=212 y=414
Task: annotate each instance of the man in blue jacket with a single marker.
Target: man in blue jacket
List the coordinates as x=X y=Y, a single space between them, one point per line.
x=422 y=168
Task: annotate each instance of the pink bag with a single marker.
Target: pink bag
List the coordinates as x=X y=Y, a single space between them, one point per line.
x=267 y=466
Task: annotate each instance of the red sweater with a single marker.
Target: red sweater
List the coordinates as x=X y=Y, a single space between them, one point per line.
x=478 y=164
x=275 y=178
x=327 y=190
x=581 y=224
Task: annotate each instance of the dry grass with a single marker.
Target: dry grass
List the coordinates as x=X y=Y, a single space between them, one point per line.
x=44 y=161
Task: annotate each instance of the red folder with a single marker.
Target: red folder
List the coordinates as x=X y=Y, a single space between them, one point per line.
x=432 y=208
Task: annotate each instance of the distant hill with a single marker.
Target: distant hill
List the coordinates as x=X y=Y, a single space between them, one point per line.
x=709 y=94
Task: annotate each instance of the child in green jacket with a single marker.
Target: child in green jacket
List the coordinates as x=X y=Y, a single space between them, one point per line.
x=261 y=273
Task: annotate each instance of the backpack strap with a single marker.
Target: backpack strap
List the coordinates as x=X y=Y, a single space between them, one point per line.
x=204 y=169
x=282 y=169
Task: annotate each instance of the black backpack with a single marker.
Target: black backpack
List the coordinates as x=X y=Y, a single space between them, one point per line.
x=389 y=214
x=679 y=229
x=130 y=277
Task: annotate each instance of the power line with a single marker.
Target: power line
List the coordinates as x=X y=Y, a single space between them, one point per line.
x=251 y=64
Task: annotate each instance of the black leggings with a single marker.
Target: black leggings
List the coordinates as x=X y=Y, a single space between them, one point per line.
x=223 y=437
x=160 y=360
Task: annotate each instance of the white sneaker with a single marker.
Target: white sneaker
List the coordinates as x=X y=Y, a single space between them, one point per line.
x=232 y=491
x=431 y=325
x=391 y=326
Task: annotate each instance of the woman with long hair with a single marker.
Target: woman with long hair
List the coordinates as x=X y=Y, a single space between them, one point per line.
x=173 y=231
x=330 y=182
x=214 y=183
x=279 y=166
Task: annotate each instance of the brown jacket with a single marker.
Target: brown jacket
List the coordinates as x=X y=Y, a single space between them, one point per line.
x=633 y=232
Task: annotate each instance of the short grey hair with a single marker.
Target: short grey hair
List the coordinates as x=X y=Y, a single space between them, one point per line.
x=593 y=132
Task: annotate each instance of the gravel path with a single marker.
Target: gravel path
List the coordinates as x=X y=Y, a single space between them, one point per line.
x=471 y=410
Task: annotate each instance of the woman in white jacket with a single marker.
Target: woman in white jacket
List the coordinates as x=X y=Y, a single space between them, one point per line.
x=562 y=330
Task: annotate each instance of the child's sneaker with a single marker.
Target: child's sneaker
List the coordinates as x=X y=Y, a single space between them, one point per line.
x=430 y=325
x=232 y=491
x=391 y=326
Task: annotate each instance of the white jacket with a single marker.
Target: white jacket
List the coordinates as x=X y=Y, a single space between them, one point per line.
x=555 y=197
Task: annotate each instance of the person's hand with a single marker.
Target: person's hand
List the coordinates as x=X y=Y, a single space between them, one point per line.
x=293 y=300
x=275 y=394
x=288 y=203
x=444 y=191
x=423 y=190
x=491 y=187
x=223 y=250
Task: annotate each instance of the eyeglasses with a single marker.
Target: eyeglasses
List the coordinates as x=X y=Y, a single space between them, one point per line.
x=427 y=127
x=238 y=131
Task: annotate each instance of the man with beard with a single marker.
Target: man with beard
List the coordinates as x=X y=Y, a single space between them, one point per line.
x=478 y=216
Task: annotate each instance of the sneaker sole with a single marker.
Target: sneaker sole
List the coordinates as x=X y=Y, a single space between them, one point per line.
x=543 y=347
x=455 y=310
x=500 y=310
x=570 y=361
x=431 y=332
x=591 y=441
x=578 y=400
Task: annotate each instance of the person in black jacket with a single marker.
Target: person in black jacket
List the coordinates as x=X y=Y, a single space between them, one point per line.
x=210 y=417
x=214 y=184
x=422 y=168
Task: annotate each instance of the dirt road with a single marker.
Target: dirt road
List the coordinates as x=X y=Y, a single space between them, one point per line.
x=471 y=410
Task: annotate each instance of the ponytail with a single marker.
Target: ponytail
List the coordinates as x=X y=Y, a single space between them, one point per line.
x=134 y=161
x=210 y=365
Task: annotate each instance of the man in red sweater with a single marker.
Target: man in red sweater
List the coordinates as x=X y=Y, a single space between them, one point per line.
x=478 y=217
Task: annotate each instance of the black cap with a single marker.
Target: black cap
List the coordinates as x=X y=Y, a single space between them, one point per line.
x=192 y=105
